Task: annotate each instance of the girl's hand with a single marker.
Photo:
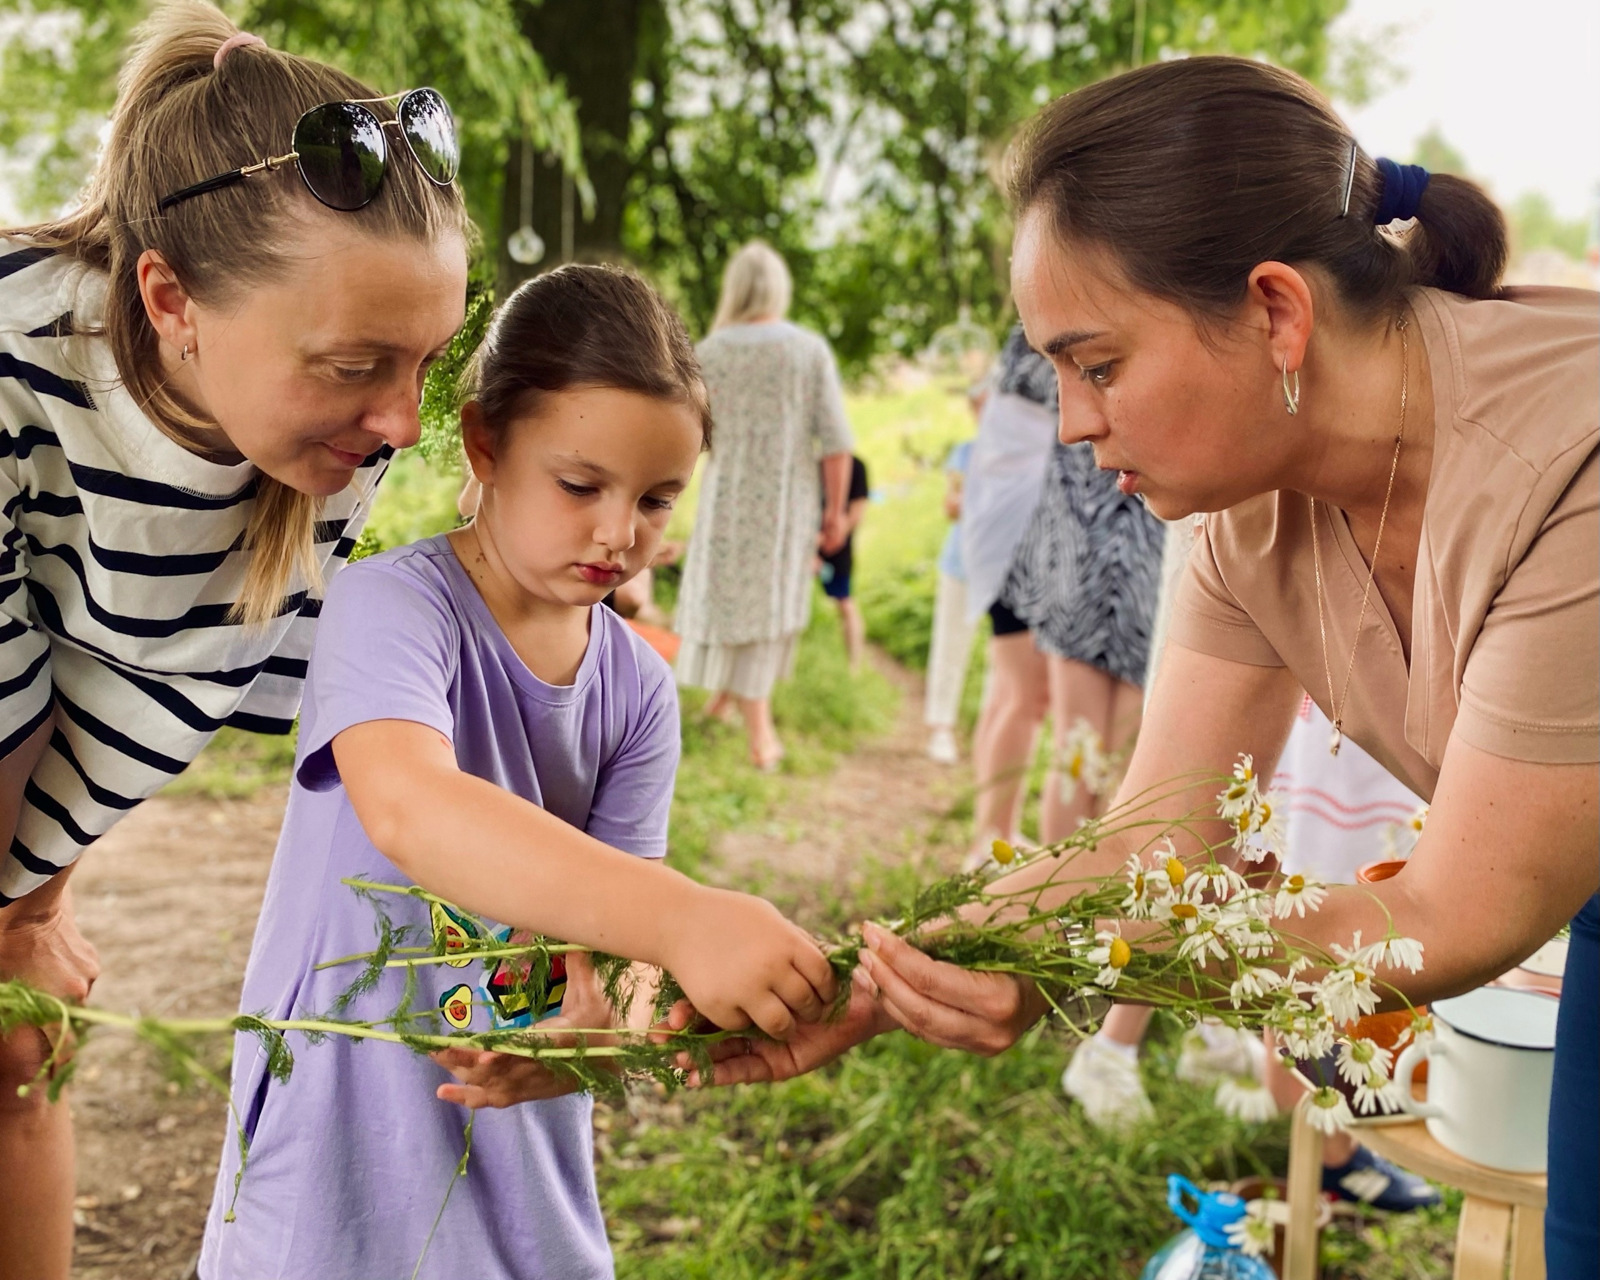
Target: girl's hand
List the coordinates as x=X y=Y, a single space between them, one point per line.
x=945 y=1005
x=740 y=962
x=813 y=1045
x=489 y=1079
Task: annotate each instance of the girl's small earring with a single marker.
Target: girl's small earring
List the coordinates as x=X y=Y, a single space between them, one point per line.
x=1291 y=393
x=185 y=355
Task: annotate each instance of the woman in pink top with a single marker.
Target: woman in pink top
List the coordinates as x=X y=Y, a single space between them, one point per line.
x=1399 y=459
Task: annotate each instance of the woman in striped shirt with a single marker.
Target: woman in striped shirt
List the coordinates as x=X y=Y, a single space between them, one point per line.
x=198 y=398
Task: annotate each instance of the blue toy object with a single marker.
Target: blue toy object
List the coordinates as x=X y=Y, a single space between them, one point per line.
x=1204 y=1252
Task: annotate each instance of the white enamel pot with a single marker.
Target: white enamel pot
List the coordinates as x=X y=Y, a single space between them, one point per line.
x=1489 y=1069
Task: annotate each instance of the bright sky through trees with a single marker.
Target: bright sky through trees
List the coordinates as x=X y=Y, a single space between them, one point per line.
x=1515 y=87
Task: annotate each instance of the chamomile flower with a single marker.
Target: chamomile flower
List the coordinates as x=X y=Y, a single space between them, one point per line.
x=1306 y=1035
x=1360 y=1060
x=1221 y=882
x=1346 y=993
x=1254 y=1233
x=1112 y=955
x=1395 y=952
x=1329 y=1112
x=1377 y=1093
x=1246 y=1098
x=1259 y=830
x=1206 y=930
x=1242 y=792
x=1254 y=984
x=1297 y=895
x=1142 y=889
x=1083 y=761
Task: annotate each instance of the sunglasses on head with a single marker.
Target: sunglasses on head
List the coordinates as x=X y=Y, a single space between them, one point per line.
x=342 y=155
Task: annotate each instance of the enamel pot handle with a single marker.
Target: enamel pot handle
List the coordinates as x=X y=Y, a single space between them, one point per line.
x=1414 y=1054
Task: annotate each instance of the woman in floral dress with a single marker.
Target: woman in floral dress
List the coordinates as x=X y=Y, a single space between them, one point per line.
x=778 y=406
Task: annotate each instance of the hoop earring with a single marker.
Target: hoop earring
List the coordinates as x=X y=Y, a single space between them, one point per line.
x=1291 y=394
x=184 y=355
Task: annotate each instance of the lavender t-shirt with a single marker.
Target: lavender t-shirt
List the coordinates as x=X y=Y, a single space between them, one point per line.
x=350 y=1160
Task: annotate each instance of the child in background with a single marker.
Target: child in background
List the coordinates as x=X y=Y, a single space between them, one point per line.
x=475 y=723
x=950 y=647
x=835 y=569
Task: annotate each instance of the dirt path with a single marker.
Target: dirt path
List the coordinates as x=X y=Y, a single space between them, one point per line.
x=887 y=798
x=170 y=898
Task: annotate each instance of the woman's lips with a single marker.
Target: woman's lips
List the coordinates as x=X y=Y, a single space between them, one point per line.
x=602 y=575
x=1128 y=482
x=344 y=457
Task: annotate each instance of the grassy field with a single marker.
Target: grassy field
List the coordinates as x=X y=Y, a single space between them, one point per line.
x=901 y=1161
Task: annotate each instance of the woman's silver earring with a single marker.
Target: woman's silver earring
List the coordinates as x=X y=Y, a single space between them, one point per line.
x=185 y=355
x=1291 y=392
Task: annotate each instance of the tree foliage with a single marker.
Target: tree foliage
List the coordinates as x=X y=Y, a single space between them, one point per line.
x=859 y=137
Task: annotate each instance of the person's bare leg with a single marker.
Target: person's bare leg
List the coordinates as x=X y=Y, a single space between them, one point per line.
x=762 y=734
x=36 y=1156
x=855 y=631
x=1018 y=697
x=37 y=1173
x=1126 y=1023
x=1077 y=692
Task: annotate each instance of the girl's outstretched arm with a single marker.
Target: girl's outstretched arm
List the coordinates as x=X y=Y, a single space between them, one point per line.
x=460 y=836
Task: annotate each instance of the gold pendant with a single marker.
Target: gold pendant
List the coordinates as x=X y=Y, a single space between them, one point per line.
x=1338 y=737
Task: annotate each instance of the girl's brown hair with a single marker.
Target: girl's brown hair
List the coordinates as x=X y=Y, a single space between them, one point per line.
x=178 y=119
x=1192 y=172
x=584 y=326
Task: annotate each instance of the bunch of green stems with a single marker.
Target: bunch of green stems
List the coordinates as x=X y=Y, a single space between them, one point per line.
x=1044 y=933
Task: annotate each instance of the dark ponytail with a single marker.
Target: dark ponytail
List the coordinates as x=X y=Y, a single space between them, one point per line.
x=1459 y=240
x=1192 y=172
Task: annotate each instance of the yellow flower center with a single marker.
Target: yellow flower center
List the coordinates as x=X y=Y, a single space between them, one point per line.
x=1138 y=885
x=1121 y=953
x=1003 y=852
x=1265 y=815
x=1185 y=910
x=1295 y=884
x=1176 y=872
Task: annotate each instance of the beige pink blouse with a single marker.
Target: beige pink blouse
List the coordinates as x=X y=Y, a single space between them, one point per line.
x=1505 y=648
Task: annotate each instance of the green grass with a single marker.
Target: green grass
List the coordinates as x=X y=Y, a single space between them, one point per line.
x=903 y=1160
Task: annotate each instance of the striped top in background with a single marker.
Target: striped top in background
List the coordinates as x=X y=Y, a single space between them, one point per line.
x=120 y=561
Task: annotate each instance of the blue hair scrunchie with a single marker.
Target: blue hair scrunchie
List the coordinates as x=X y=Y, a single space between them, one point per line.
x=1403 y=185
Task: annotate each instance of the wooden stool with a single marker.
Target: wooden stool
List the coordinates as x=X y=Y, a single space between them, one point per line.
x=1502 y=1213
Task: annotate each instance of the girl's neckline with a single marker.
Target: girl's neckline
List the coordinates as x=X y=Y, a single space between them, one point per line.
x=466 y=591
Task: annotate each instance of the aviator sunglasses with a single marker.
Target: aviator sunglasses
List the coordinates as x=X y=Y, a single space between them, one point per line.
x=341 y=153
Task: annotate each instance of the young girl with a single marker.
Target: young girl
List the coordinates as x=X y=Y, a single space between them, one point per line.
x=477 y=723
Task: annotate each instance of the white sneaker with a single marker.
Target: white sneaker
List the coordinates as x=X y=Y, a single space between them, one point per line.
x=942 y=747
x=1214 y=1051
x=1106 y=1084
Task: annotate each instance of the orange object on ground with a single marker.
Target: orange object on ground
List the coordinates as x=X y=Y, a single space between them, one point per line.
x=660 y=639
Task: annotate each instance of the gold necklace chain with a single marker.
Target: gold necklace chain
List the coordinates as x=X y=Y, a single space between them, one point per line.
x=1337 y=703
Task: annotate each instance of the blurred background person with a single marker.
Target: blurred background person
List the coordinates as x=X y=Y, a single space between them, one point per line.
x=950 y=646
x=778 y=406
x=835 y=567
x=1005 y=475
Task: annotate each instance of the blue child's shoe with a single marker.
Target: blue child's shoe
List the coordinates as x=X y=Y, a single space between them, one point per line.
x=1368 y=1179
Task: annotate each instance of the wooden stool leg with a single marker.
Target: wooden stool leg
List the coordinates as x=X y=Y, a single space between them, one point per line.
x=1481 y=1239
x=1305 y=1189
x=1527 y=1243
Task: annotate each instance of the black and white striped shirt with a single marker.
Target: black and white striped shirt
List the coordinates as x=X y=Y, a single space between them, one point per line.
x=119 y=563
